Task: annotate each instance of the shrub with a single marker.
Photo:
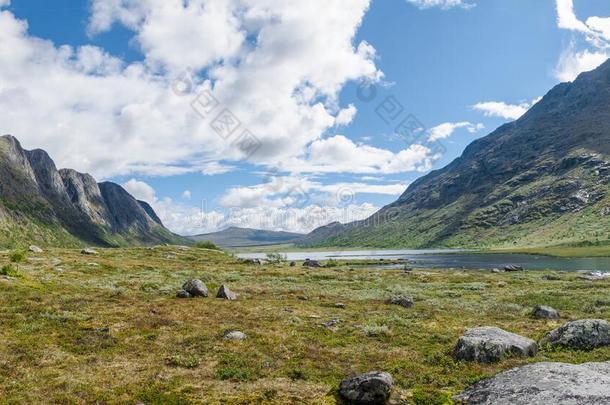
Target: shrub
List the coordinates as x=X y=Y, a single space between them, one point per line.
x=276 y=257
x=18 y=256
x=9 y=270
x=206 y=244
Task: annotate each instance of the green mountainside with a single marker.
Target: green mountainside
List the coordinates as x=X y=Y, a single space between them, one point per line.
x=543 y=180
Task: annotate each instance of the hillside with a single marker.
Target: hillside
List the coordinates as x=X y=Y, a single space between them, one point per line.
x=40 y=204
x=542 y=180
x=240 y=237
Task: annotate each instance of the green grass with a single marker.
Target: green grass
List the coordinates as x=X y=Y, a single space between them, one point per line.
x=109 y=329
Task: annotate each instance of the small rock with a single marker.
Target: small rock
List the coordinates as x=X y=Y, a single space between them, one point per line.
x=544 y=312
x=311 y=263
x=489 y=344
x=235 y=335
x=225 y=293
x=302 y=298
x=183 y=294
x=502 y=284
x=88 y=251
x=512 y=267
x=293 y=264
x=402 y=300
x=497 y=270
x=196 y=288
x=332 y=323
x=340 y=305
x=35 y=249
x=584 y=334
x=543 y=383
x=372 y=388
x=594 y=275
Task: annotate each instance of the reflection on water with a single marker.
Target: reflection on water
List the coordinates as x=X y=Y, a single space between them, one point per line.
x=454 y=259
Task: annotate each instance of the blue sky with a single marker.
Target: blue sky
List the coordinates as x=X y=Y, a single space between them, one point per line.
x=99 y=96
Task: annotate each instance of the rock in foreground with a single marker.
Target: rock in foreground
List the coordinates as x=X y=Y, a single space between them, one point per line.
x=196 y=288
x=543 y=383
x=585 y=334
x=225 y=293
x=371 y=388
x=488 y=344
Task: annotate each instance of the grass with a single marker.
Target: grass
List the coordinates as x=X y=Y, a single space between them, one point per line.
x=109 y=329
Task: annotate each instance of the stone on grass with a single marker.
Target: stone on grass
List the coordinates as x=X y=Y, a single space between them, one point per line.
x=88 y=251
x=183 y=294
x=372 y=388
x=196 y=288
x=311 y=263
x=225 y=293
x=543 y=383
x=293 y=264
x=235 y=335
x=402 y=300
x=585 y=334
x=489 y=344
x=340 y=305
x=512 y=267
x=594 y=275
x=35 y=249
x=545 y=312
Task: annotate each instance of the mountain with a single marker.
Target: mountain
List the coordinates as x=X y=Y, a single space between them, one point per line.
x=239 y=237
x=40 y=204
x=539 y=181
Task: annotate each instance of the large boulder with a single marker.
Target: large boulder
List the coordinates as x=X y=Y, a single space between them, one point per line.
x=196 y=288
x=543 y=383
x=544 y=312
x=489 y=344
x=372 y=388
x=585 y=334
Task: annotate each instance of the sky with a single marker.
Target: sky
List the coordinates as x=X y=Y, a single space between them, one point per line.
x=275 y=114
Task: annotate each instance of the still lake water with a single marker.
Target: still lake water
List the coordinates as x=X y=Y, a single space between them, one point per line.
x=458 y=259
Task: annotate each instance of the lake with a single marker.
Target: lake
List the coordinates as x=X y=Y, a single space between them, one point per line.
x=445 y=259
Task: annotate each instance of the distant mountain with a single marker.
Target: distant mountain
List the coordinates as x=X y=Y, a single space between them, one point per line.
x=240 y=237
x=40 y=204
x=541 y=180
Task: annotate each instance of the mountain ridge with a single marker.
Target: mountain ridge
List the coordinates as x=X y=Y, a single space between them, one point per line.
x=242 y=237
x=538 y=181
x=62 y=207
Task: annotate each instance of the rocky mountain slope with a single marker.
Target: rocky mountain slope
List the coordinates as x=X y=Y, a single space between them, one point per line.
x=239 y=237
x=43 y=205
x=541 y=180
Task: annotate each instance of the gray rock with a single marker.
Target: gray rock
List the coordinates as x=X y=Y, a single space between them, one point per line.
x=340 y=305
x=35 y=249
x=402 y=300
x=88 y=251
x=235 y=335
x=489 y=344
x=543 y=383
x=512 y=267
x=311 y=263
x=293 y=264
x=372 y=388
x=332 y=323
x=225 y=293
x=594 y=275
x=585 y=334
x=544 y=312
x=183 y=294
x=196 y=288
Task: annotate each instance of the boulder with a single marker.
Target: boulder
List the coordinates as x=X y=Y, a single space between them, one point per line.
x=544 y=312
x=372 y=388
x=402 y=300
x=88 y=251
x=512 y=267
x=235 y=335
x=35 y=249
x=183 y=294
x=311 y=263
x=594 y=275
x=585 y=334
x=196 y=288
x=293 y=264
x=489 y=344
x=225 y=293
x=543 y=383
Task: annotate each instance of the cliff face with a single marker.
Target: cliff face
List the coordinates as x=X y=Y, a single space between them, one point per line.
x=541 y=180
x=65 y=207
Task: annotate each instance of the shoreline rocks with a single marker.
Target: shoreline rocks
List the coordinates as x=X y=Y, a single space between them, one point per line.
x=489 y=344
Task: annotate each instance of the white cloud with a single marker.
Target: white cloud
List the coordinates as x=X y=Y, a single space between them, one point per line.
x=443 y=4
x=278 y=66
x=596 y=31
x=501 y=109
x=447 y=129
x=4 y=3
x=140 y=190
x=187 y=195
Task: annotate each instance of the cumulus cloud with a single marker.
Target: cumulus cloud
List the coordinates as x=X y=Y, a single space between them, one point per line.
x=501 y=109
x=4 y=3
x=443 y=4
x=596 y=31
x=186 y=194
x=447 y=129
x=277 y=66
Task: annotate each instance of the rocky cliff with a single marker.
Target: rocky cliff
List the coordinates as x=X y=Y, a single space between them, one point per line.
x=41 y=204
x=541 y=180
